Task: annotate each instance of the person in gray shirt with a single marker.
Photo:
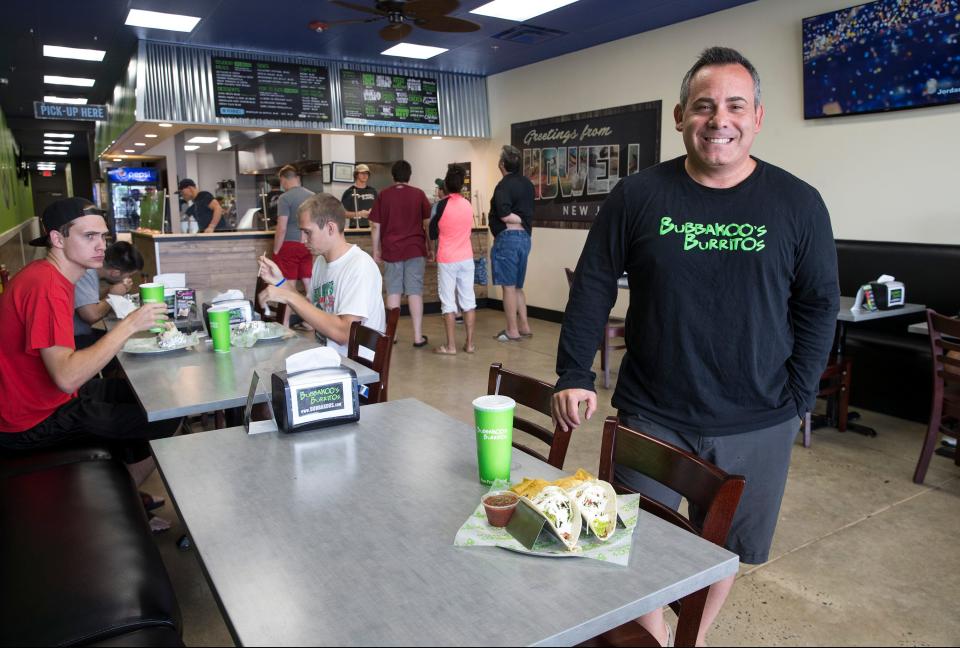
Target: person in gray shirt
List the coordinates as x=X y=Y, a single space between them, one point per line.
x=290 y=255
x=120 y=262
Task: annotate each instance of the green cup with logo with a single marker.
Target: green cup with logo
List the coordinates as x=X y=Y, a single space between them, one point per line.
x=493 y=416
x=152 y=293
x=220 y=328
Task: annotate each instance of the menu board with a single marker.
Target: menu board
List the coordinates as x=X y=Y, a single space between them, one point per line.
x=269 y=90
x=396 y=100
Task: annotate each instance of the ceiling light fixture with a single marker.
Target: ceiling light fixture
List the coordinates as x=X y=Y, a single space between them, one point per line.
x=202 y=140
x=83 y=82
x=55 y=51
x=273 y=130
x=57 y=142
x=118 y=159
x=437 y=137
x=519 y=11
x=369 y=134
x=408 y=50
x=161 y=20
x=56 y=148
x=139 y=144
x=66 y=135
x=190 y=147
x=151 y=135
x=54 y=152
x=129 y=151
x=165 y=125
x=80 y=101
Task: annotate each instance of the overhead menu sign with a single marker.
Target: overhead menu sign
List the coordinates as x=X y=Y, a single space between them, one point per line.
x=268 y=90
x=395 y=100
x=74 y=112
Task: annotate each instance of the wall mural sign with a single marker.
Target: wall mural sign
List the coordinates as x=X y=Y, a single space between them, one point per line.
x=574 y=161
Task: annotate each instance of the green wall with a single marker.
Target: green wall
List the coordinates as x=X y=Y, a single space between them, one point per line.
x=16 y=199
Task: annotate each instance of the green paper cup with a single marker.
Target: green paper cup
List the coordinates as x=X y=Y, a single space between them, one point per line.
x=493 y=416
x=152 y=293
x=220 y=328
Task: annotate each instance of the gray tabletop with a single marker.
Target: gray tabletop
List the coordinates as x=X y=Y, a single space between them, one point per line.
x=345 y=536
x=846 y=315
x=196 y=381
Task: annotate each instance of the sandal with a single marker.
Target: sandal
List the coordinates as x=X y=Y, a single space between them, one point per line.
x=503 y=337
x=472 y=349
x=422 y=343
x=530 y=334
x=443 y=350
x=151 y=503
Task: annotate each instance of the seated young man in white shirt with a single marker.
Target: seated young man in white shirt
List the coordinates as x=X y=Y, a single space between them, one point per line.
x=346 y=285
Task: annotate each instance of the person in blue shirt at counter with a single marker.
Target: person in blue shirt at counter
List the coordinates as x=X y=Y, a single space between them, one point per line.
x=206 y=210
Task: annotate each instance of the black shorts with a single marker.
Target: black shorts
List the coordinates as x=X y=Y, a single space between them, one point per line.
x=762 y=456
x=105 y=411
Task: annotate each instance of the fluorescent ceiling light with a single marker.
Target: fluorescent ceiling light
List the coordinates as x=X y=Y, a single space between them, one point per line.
x=165 y=125
x=54 y=152
x=139 y=144
x=57 y=142
x=67 y=135
x=150 y=135
x=408 y=50
x=118 y=159
x=519 y=11
x=369 y=134
x=190 y=147
x=160 y=20
x=273 y=130
x=65 y=100
x=436 y=137
x=202 y=140
x=129 y=151
x=70 y=81
x=56 y=51
x=56 y=148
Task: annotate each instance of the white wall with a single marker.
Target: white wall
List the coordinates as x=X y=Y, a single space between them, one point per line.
x=884 y=176
x=214 y=167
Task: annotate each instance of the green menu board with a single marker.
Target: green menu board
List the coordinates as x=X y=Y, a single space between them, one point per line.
x=269 y=90
x=394 y=100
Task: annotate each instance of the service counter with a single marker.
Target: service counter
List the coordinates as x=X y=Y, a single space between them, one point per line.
x=229 y=259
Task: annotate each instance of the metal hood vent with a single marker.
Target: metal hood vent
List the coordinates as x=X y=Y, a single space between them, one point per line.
x=264 y=155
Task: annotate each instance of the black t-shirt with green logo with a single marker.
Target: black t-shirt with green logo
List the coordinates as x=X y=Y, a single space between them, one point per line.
x=733 y=299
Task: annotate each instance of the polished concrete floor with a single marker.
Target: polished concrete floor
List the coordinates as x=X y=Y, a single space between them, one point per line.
x=862 y=555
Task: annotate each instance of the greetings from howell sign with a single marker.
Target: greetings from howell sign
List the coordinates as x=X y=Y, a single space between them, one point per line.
x=574 y=161
x=75 y=112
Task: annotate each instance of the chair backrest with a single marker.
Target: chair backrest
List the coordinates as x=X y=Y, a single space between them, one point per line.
x=536 y=395
x=945 y=349
x=276 y=314
x=714 y=492
x=382 y=346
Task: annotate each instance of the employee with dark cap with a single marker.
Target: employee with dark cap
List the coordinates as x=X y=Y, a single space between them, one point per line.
x=358 y=199
x=206 y=210
x=50 y=393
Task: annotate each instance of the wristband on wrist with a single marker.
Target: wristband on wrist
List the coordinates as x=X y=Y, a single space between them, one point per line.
x=281 y=282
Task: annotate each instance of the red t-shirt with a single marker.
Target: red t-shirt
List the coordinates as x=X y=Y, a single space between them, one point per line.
x=36 y=312
x=400 y=210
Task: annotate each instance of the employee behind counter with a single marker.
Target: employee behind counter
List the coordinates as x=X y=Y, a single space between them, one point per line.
x=205 y=209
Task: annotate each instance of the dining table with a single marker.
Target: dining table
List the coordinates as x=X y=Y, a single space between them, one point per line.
x=345 y=536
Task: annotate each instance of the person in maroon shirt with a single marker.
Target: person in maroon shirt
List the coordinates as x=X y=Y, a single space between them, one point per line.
x=399 y=223
x=50 y=394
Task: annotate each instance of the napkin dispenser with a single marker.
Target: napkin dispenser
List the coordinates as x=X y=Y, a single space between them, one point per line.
x=316 y=398
x=889 y=294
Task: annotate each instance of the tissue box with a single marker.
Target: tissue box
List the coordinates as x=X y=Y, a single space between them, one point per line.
x=315 y=399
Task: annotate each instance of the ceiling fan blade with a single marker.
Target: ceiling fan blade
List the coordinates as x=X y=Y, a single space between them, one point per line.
x=447 y=24
x=356 y=7
x=429 y=8
x=395 y=32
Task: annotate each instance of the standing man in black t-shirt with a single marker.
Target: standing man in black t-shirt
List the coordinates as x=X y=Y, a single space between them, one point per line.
x=358 y=199
x=733 y=303
x=206 y=210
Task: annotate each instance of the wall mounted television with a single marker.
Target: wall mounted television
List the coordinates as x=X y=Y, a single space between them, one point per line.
x=881 y=56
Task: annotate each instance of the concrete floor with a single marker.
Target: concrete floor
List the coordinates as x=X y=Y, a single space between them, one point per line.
x=862 y=555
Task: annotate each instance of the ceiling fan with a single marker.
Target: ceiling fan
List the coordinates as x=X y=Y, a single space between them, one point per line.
x=403 y=16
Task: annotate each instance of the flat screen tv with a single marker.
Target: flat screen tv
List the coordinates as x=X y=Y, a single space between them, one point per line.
x=881 y=56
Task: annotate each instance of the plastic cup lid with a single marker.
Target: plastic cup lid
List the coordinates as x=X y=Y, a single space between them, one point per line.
x=494 y=402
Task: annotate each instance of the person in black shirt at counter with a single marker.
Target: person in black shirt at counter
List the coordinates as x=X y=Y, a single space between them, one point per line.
x=358 y=199
x=733 y=302
x=511 y=223
x=206 y=210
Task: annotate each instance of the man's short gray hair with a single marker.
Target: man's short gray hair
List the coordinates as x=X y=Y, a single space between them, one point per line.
x=719 y=56
x=510 y=158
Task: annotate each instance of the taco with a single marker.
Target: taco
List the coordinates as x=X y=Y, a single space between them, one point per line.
x=597 y=502
x=530 y=487
x=562 y=514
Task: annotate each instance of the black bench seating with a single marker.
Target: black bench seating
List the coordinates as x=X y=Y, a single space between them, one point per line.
x=78 y=562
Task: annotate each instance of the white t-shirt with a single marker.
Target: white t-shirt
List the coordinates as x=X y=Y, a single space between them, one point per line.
x=351 y=285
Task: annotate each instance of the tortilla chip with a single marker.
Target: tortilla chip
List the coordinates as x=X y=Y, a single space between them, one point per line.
x=530 y=487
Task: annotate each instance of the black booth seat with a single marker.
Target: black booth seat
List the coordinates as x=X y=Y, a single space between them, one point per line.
x=78 y=565
x=891 y=366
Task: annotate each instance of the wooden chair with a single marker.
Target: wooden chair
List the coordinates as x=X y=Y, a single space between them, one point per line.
x=615 y=328
x=711 y=490
x=945 y=404
x=382 y=346
x=536 y=395
x=834 y=384
x=277 y=314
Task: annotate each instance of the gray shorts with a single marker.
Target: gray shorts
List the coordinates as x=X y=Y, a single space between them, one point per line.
x=404 y=277
x=762 y=456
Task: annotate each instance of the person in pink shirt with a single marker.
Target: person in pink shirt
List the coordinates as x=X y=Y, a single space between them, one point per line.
x=454 y=223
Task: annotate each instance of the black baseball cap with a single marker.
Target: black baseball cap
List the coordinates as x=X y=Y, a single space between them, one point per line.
x=186 y=182
x=58 y=214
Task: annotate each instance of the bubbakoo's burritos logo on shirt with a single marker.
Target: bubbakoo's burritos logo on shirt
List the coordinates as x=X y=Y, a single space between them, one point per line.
x=727 y=237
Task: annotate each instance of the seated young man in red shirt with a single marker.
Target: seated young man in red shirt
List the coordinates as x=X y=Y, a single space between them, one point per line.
x=50 y=394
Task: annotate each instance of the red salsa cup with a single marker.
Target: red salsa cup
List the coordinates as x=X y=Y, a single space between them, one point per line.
x=499 y=506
